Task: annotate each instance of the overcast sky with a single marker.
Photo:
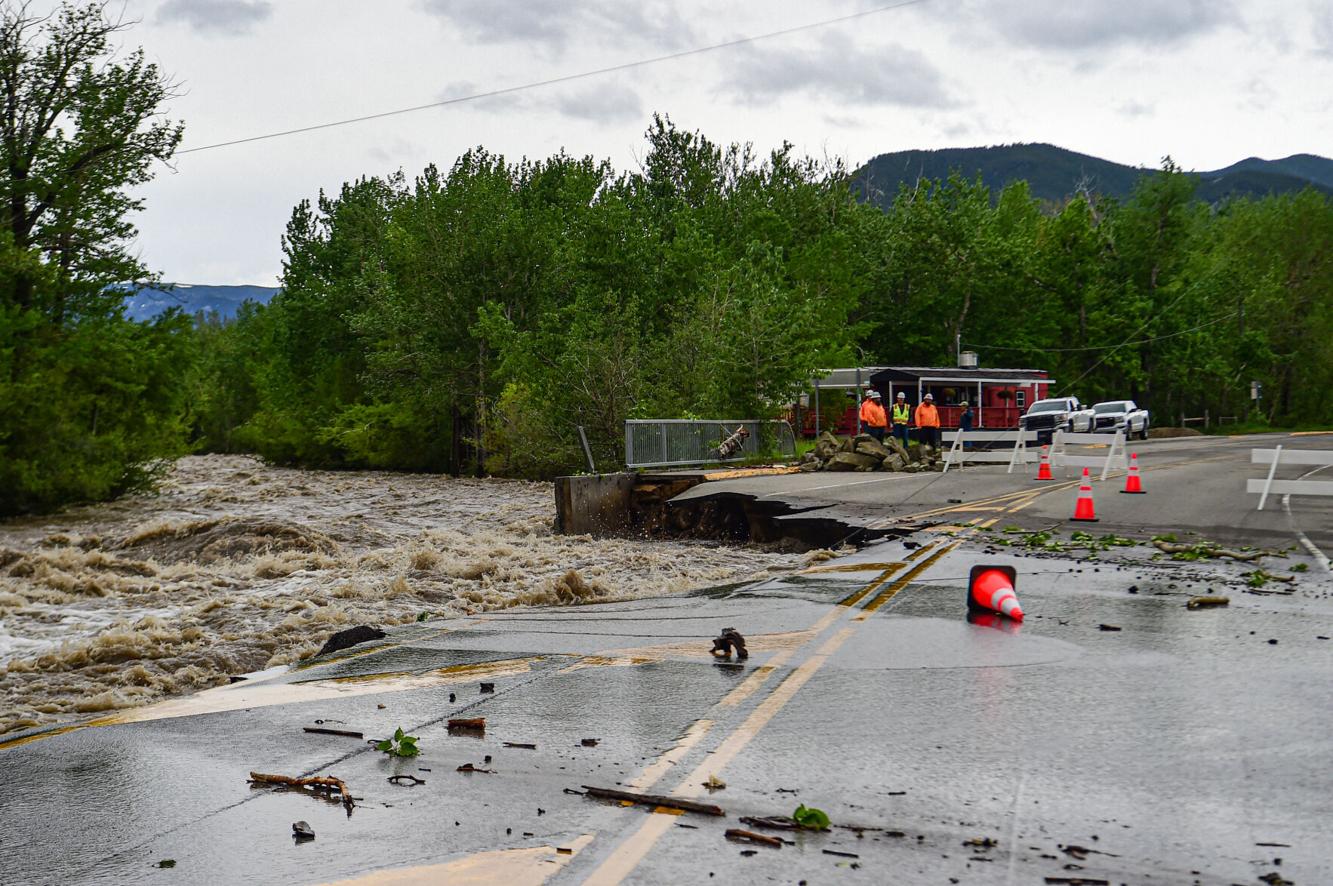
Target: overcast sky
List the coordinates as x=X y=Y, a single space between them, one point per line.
x=1208 y=81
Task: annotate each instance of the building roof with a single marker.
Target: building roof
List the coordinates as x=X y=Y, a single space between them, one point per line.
x=847 y=378
x=928 y=374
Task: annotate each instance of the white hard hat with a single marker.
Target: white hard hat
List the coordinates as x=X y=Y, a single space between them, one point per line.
x=930 y=397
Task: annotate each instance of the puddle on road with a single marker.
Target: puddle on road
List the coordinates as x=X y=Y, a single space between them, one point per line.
x=237 y=566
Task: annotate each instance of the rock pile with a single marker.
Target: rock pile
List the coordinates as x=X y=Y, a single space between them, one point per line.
x=864 y=453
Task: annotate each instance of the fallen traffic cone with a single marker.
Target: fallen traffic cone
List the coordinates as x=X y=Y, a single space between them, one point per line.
x=1044 y=471
x=991 y=588
x=1083 y=510
x=1133 y=485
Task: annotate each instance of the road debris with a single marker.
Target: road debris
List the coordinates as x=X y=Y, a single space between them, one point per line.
x=410 y=781
x=1207 y=602
x=1109 y=627
x=590 y=742
x=730 y=639
x=1273 y=878
x=772 y=822
x=653 y=800
x=345 y=733
x=487 y=688
x=521 y=745
x=741 y=836
x=301 y=830
x=982 y=842
x=1204 y=550
x=166 y=863
x=319 y=784
x=715 y=784
x=1078 y=881
x=468 y=767
x=839 y=853
x=473 y=725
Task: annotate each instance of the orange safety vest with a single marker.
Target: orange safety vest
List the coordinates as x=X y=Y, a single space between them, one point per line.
x=927 y=416
x=872 y=414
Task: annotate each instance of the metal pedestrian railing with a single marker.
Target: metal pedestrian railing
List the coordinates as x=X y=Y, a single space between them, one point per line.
x=668 y=442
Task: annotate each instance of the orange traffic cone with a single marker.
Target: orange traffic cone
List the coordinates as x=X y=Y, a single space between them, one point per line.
x=1044 y=471
x=1083 y=510
x=1133 y=485
x=991 y=588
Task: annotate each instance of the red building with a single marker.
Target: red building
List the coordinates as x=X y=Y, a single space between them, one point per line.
x=997 y=396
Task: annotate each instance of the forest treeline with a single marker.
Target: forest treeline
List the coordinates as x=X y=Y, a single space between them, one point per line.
x=471 y=319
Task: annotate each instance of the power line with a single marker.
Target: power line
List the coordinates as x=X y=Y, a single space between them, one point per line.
x=567 y=78
x=1142 y=341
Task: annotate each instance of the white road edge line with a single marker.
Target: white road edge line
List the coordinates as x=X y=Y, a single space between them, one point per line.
x=1320 y=557
x=834 y=486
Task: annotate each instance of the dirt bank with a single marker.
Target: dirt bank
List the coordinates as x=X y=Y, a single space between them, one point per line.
x=235 y=566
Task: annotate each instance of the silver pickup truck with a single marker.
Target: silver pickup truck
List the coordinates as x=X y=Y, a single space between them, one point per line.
x=1056 y=414
x=1121 y=415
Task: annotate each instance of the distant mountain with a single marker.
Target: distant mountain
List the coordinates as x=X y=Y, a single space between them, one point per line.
x=1054 y=174
x=147 y=302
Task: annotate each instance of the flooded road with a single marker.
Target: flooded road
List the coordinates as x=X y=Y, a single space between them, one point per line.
x=234 y=566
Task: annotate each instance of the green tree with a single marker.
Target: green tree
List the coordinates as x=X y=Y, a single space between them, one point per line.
x=87 y=398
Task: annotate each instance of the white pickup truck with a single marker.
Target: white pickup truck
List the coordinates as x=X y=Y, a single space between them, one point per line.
x=1121 y=415
x=1057 y=414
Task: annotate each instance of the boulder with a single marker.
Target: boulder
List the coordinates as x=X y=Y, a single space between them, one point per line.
x=847 y=444
x=850 y=461
x=867 y=445
x=826 y=446
x=898 y=448
x=351 y=637
x=892 y=463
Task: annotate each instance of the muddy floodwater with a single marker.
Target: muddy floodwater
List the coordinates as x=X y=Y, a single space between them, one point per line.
x=234 y=566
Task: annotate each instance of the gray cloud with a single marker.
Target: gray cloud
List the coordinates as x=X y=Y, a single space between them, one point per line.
x=836 y=69
x=613 y=103
x=1323 y=27
x=552 y=23
x=225 y=17
x=1088 y=24
x=1135 y=108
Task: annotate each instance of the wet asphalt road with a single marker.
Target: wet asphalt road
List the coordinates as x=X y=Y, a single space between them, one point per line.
x=1196 y=486
x=1170 y=751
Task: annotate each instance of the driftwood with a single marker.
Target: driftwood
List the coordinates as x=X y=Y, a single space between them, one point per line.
x=1206 y=602
x=752 y=837
x=474 y=724
x=654 y=800
x=320 y=784
x=520 y=744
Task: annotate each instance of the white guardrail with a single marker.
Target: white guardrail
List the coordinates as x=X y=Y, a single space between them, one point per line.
x=1019 y=454
x=1115 y=455
x=1272 y=457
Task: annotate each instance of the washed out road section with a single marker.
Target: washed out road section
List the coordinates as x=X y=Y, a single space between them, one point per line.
x=237 y=566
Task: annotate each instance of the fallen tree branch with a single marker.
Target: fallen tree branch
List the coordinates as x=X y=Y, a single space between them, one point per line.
x=1207 y=550
x=319 y=784
x=752 y=837
x=654 y=800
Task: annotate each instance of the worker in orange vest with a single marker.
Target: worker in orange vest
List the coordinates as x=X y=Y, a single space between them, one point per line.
x=928 y=420
x=873 y=418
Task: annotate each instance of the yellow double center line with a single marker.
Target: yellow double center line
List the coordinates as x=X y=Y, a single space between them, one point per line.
x=625 y=858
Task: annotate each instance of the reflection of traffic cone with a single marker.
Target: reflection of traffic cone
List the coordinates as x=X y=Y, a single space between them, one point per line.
x=1133 y=484
x=995 y=620
x=1044 y=471
x=992 y=588
x=1083 y=510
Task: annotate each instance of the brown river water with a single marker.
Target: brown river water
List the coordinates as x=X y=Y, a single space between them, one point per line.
x=234 y=566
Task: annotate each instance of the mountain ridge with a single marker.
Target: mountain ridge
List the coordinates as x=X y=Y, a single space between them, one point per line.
x=1054 y=173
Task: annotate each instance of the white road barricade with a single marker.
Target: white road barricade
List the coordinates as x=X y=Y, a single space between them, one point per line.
x=1019 y=454
x=1114 y=458
x=1272 y=457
